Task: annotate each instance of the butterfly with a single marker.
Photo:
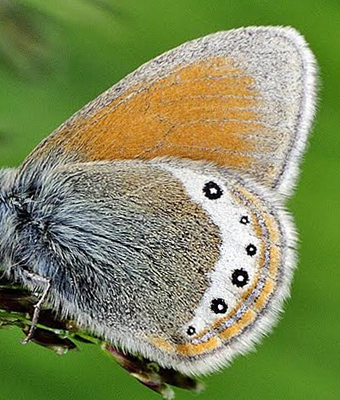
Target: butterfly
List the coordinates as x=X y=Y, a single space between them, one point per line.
x=155 y=216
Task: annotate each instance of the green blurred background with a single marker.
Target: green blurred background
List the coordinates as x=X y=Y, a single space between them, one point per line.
x=57 y=55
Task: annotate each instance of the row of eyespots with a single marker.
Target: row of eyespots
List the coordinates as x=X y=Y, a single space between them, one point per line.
x=213 y=191
x=239 y=277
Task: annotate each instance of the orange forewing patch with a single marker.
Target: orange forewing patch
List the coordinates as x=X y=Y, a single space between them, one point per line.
x=204 y=111
x=170 y=117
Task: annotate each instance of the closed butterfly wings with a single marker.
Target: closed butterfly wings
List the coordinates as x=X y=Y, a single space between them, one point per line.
x=225 y=119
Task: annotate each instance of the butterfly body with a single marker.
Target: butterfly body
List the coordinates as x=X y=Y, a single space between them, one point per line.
x=156 y=214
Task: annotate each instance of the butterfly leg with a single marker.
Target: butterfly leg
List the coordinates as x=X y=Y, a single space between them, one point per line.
x=37 y=308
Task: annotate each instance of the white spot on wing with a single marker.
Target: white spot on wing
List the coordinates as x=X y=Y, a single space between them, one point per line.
x=225 y=213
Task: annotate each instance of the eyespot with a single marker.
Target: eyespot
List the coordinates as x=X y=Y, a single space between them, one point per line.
x=240 y=277
x=244 y=220
x=212 y=190
x=191 y=331
x=218 y=306
x=251 y=250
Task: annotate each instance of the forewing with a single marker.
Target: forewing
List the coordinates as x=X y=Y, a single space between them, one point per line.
x=242 y=99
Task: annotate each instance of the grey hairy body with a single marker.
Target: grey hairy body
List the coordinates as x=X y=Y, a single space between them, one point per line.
x=108 y=251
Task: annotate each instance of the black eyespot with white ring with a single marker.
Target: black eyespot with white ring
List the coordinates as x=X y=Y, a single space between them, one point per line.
x=212 y=190
x=240 y=277
x=251 y=250
x=219 y=306
x=191 y=331
x=244 y=220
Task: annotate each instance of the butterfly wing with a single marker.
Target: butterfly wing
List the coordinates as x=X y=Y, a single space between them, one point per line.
x=242 y=99
x=251 y=278
x=181 y=262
